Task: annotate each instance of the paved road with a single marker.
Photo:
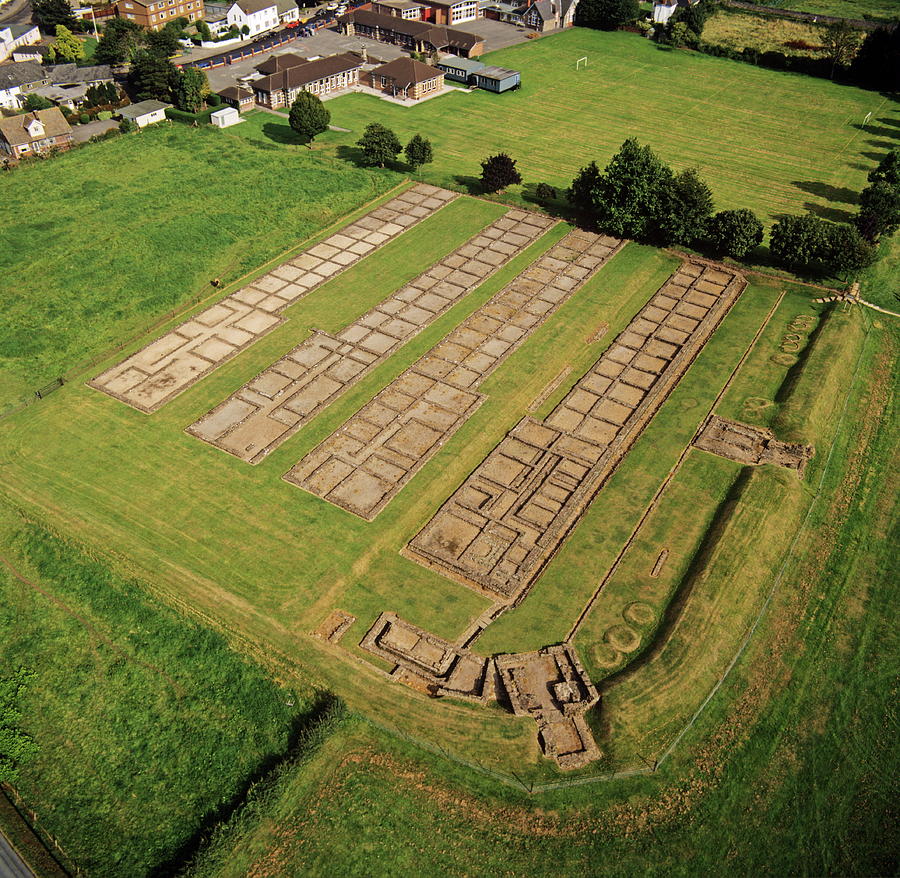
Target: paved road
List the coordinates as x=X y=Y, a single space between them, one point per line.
x=11 y=864
x=15 y=12
x=82 y=133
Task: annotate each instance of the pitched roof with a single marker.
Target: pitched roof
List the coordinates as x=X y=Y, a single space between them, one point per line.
x=438 y=36
x=470 y=65
x=275 y=63
x=248 y=7
x=311 y=71
x=61 y=74
x=21 y=73
x=132 y=111
x=15 y=133
x=235 y=93
x=19 y=30
x=407 y=71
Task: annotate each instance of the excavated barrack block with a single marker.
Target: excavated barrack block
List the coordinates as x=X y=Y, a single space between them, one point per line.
x=447 y=668
x=367 y=461
x=334 y=626
x=287 y=395
x=751 y=445
x=172 y=363
x=500 y=527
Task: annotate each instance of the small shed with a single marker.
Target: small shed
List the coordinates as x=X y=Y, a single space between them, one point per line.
x=225 y=117
x=145 y=113
x=459 y=69
x=497 y=79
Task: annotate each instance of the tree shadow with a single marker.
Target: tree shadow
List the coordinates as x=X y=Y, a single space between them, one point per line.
x=873 y=156
x=281 y=132
x=878 y=131
x=887 y=120
x=472 y=185
x=835 y=214
x=558 y=207
x=824 y=190
x=881 y=144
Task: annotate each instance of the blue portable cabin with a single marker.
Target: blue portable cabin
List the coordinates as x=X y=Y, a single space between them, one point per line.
x=459 y=69
x=496 y=79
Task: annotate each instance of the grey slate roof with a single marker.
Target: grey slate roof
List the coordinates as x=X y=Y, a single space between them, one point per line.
x=21 y=73
x=64 y=74
x=132 y=111
x=407 y=71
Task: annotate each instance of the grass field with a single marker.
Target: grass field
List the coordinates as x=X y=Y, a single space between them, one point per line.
x=738 y=31
x=139 y=225
x=862 y=9
x=155 y=520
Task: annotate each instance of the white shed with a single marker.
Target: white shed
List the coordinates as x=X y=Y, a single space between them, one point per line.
x=225 y=117
x=145 y=112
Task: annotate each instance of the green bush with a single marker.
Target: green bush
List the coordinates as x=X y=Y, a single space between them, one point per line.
x=104 y=115
x=201 y=118
x=84 y=118
x=213 y=100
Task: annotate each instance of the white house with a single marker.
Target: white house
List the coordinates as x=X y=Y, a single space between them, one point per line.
x=288 y=11
x=12 y=36
x=145 y=112
x=258 y=16
x=16 y=80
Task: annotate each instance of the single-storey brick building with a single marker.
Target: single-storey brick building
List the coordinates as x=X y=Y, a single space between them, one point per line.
x=415 y=36
x=34 y=134
x=317 y=77
x=407 y=78
x=235 y=96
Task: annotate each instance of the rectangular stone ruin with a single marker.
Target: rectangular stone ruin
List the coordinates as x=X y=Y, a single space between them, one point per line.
x=169 y=365
x=552 y=687
x=279 y=401
x=501 y=526
x=334 y=626
x=425 y=661
x=751 y=445
x=368 y=460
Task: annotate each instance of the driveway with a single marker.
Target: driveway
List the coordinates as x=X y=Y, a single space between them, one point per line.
x=11 y=864
x=83 y=133
x=496 y=34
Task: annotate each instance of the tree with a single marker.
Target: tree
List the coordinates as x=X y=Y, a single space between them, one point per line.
x=631 y=191
x=846 y=251
x=151 y=76
x=119 y=43
x=16 y=746
x=188 y=91
x=48 y=14
x=126 y=126
x=584 y=193
x=879 y=211
x=841 y=42
x=204 y=31
x=379 y=145
x=685 y=209
x=545 y=192
x=36 y=102
x=888 y=170
x=606 y=14
x=66 y=47
x=162 y=42
x=309 y=116
x=799 y=241
x=245 y=30
x=418 y=152
x=498 y=172
x=735 y=232
x=694 y=16
x=877 y=63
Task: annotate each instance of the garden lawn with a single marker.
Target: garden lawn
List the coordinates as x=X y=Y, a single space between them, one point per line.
x=108 y=238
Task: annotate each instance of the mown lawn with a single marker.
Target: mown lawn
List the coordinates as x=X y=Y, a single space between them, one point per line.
x=108 y=238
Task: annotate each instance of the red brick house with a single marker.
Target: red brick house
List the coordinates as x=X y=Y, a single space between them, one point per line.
x=34 y=134
x=407 y=78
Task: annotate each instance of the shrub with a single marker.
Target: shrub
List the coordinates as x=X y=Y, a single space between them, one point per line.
x=735 y=232
x=127 y=125
x=213 y=100
x=84 y=118
x=104 y=115
x=545 y=192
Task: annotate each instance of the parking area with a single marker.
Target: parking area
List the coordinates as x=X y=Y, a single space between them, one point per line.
x=496 y=34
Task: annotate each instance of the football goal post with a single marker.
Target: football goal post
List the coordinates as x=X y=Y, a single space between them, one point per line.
x=581 y=62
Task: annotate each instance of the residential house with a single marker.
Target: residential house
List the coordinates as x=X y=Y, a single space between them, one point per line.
x=18 y=79
x=508 y=13
x=288 y=12
x=69 y=83
x=496 y=79
x=155 y=14
x=34 y=134
x=407 y=78
x=408 y=9
x=414 y=36
x=239 y=98
x=145 y=113
x=546 y=15
x=14 y=36
x=30 y=53
x=320 y=77
x=258 y=16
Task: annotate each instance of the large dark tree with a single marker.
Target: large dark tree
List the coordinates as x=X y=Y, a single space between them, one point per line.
x=379 y=145
x=735 y=232
x=846 y=251
x=152 y=76
x=606 y=14
x=498 y=172
x=694 y=15
x=308 y=116
x=120 y=41
x=888 y=170
x=48 y=14
x=841 y=41
x=631 y=191
x=584 y=193
x=162 y=42
x=877 y=63
x=685 y=208
x=879 y=211
x=418 y=151
x=188 y=89
x=799 y=242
